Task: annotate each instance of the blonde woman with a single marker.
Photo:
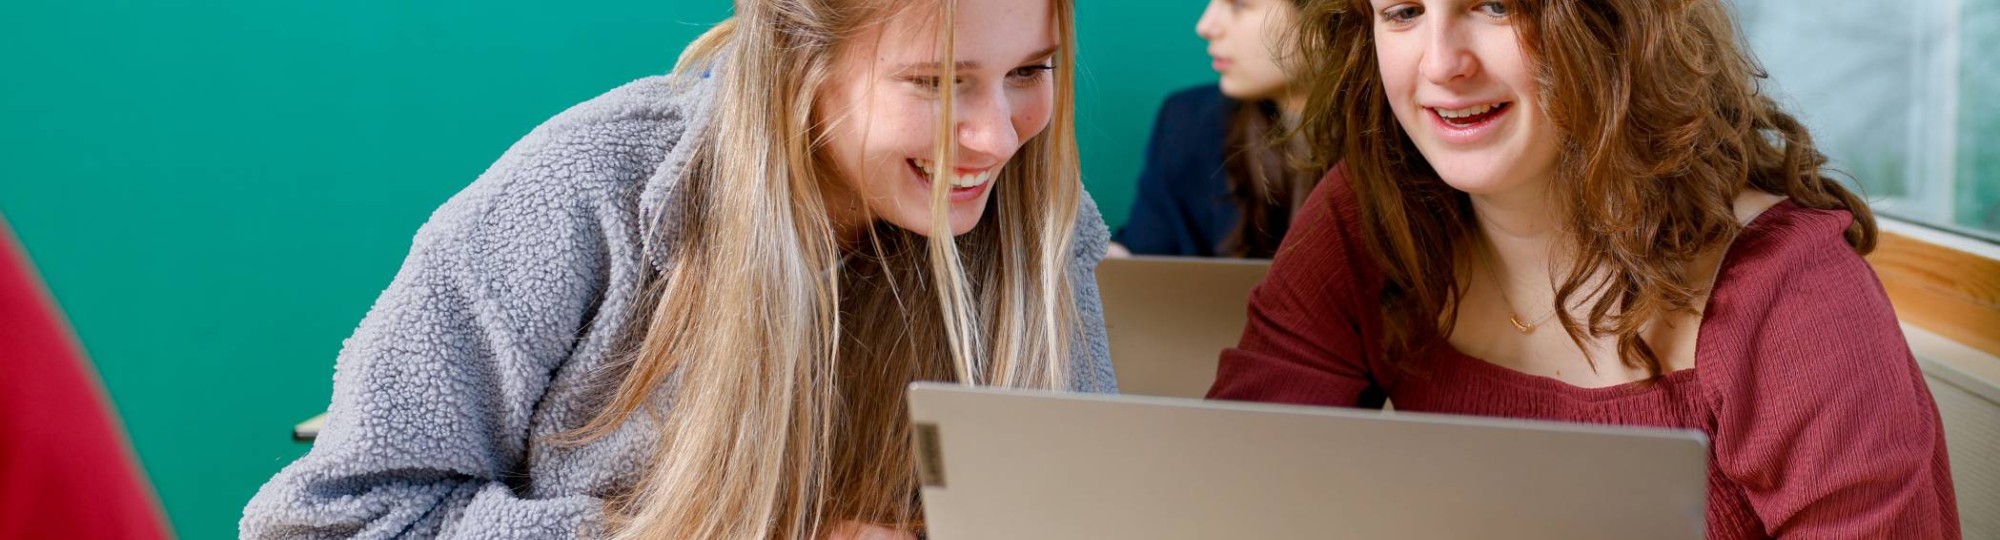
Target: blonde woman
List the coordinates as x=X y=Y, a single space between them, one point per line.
x=688 y=308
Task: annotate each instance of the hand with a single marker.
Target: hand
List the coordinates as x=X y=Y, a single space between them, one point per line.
x=1116 y=251
x=855 y=530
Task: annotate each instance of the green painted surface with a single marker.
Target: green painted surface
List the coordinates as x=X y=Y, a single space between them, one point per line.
x=217 y=190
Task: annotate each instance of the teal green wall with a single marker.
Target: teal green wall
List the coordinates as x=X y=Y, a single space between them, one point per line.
x=216 y=190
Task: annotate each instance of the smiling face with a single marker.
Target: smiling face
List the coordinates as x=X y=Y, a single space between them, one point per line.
x=879 y=112
x=1464 y=90
x=1246 y=41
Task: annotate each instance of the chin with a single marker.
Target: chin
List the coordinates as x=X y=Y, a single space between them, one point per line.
x=1464 y=180
x=960 y=226
x=1477 y=185
x=1237 y=92
x=964 y=220
x=960 y=222
x=1230 y=90
x=1468 y=173
x=1480 y=184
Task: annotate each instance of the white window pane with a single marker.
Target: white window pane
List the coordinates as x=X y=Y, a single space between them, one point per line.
x=1901 y=95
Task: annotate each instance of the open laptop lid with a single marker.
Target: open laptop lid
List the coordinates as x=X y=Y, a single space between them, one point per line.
x=1015 y=464
x=1168 y=319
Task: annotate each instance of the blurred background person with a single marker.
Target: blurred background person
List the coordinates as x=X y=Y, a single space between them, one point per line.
x=1217 y=180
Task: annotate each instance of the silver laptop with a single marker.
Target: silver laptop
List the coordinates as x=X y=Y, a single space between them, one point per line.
x=1013 y=464
x=1168 y=319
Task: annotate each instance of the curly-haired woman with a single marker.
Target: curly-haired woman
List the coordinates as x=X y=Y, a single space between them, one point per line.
x=1586 y=211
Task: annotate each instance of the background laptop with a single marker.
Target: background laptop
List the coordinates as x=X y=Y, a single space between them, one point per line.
x=1168 y=319
x=1012 y=464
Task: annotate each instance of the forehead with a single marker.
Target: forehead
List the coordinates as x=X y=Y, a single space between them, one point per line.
x=999 y=33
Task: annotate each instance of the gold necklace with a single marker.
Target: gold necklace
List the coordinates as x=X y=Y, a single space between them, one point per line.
x=1512 y=317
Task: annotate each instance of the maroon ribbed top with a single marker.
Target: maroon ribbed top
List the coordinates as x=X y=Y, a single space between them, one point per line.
x=1820 y=423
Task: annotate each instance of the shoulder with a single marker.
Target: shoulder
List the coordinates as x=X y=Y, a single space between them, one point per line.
x=1325 y=253
x=617 y=138
x=1198 y=98
x=1201 y=110
x=1791 y=254
x=1091 y=239
x=606 y=164
x=1792 y=297
x=1332 y=213
x=1188 y=141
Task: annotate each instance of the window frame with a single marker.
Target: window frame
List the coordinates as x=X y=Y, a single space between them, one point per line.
x=1944 y=283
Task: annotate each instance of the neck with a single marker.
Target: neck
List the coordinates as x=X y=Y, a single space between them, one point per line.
x=1291 y=107
x=1522 y=232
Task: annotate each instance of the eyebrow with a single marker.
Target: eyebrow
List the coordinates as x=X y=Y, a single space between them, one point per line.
x=972 y=65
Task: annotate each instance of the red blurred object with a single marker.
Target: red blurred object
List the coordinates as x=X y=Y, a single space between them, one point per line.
x=66 y=470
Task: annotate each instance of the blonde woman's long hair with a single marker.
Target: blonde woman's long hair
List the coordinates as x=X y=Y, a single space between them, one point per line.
x=773 y=361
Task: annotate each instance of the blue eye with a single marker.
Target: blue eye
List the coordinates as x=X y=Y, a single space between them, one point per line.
x=1402 y=13
x=1496 y=9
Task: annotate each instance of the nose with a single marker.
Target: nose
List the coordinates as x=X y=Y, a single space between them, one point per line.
x=986 y=132
x=1209 y=26
x=1446 y=54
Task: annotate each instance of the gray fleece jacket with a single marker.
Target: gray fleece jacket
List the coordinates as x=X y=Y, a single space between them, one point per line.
x=514 y=293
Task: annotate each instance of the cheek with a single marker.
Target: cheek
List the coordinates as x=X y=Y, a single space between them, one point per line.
x=843 y=145
x=1525 y=82
x=1032 y=111
x=887 y=130
x=1397 y=65
x=1500 y=53
x=1248 y=30
x=1276 y=26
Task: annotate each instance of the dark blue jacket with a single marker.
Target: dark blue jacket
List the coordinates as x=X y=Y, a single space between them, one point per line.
x=1184 y=207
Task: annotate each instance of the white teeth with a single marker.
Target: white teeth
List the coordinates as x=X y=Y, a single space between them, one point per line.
x=960 y=180
x=1466 y=112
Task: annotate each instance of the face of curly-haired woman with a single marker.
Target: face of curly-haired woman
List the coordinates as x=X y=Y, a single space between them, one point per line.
x=1465 y=91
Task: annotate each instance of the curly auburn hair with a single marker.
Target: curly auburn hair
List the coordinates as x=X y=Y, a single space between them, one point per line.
x=1661 y=125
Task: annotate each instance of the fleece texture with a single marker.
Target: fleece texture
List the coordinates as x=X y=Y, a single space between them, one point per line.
x=494 y=335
